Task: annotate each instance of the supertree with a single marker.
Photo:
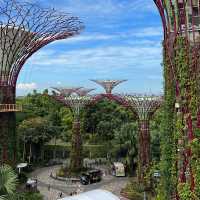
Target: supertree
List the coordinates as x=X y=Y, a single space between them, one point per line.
x=24 y=29
x=77 y=103
x=109 y=85
x=181 y=24
x=144 y=106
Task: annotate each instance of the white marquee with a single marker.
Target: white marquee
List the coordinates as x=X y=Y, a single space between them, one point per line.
x=93 y=195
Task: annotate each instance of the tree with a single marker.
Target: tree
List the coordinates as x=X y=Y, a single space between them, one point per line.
x=34 y=132
x=104 y=118
x=127 y=138
x=66 y=123
x=37 y=104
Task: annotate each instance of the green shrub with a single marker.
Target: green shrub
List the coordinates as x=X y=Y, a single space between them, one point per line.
x=22 y=178
x=60 y=172
x=185 y=192
x=32 y=196
x=134 y=195
x=134 y=191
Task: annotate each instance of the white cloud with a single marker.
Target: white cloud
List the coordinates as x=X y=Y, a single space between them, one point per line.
x=148 y=32
x=108 y=7
x=86 y=38
x=101 y=58
x=141 y=33
x=27 y=86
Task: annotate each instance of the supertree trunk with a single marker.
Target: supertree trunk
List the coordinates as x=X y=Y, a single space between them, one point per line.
x=144 y=149
x=144 y=107
x=7 y=127
x=182 y=45
x=76 y=158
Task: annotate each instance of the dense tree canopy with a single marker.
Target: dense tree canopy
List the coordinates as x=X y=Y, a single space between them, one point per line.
x=104 y=123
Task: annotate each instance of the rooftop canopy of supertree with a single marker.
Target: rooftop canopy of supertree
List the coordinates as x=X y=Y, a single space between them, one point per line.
x=65 y=91
x=75 y=101
x=144 y=105
x=108 y=85
x=25 y=28
x=84 y=91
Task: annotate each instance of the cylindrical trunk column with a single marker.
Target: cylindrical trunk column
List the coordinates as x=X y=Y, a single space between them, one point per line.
x=144 y=148
x=7 y=127
x=76 y=159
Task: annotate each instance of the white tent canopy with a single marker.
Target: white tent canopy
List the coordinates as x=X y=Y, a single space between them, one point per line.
x=94 y=194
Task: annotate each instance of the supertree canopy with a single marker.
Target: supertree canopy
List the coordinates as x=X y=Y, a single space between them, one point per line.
x=144 y=106
x=84 y=91
x=76 y=103
x=65 y=92
x=108 y=85
x=24 y=29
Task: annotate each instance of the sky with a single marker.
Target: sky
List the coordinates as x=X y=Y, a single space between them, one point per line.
x=121 y=40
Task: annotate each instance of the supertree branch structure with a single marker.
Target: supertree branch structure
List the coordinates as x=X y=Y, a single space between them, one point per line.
x=180 y=17
x=144 y=106
x=108 y=85
x=24 y=29
x=76 y=103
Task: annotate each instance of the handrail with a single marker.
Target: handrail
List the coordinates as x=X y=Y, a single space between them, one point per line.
x=10 y=108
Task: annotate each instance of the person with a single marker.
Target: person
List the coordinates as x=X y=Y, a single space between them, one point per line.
x=61 y=194
x=78 y=191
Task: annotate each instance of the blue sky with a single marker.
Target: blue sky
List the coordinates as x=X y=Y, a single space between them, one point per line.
x=122 y=40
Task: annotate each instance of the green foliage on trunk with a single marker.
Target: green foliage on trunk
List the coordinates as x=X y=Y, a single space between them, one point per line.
x=166 y=187
x=76 y=154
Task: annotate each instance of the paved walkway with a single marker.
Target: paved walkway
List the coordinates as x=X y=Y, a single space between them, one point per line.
x=51 y=188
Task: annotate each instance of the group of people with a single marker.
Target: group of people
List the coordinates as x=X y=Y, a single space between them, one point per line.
x=60 y=194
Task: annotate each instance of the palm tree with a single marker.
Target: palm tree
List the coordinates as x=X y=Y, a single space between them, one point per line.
x=8 y=182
